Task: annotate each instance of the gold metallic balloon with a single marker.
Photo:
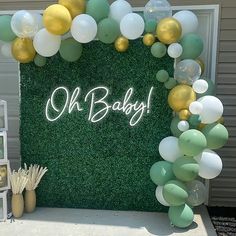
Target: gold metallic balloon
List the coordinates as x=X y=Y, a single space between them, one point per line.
x=57 y=19
x=121 y=44
x=201 y=126
x=184 y=114
x=148 y=39
x=75 y=7
x=180 y=97
x=23 y=50
x=169 y=30
x=201 y=64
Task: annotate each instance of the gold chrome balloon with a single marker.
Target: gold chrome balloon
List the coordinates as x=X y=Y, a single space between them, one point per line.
x=148 y=39
x=184 y=114
x=75 y=7
x=201 y=64
x=169 y=30
x=121 y=44
x=57 y=19
x=180 y=97
x=23 y=50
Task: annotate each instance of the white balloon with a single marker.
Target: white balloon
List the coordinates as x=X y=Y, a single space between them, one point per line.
x=119 y=9
x=159 y=196
x=212 y=109
x=200 y=86
x=66 y=35
x=188 y=21
x=39 y=19
x=175 y=50
x=132 y=26
x=6 y=50
x=157 y=10
x=196 y=108
x=210 y=164
x=24 y=24
x=84 y=28
x=46 y=44
x=169 y=149
x=183 y=125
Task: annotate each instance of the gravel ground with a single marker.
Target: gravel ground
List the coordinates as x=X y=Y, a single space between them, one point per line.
x=224 y=220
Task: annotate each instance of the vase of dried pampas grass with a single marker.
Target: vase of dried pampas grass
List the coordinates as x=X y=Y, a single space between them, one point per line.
x=35 y=174
x=18 y=181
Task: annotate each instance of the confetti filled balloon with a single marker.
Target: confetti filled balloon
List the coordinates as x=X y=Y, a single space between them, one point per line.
x=169 y=30
x=201 y=64
x=23 y=50
x=75 y=7
x=122 y=44
x=57 y=19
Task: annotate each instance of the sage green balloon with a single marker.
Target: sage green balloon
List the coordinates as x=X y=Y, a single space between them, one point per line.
x=108 y=30
x=161 y=172
x=150 y=26
x=6 y=33
x=181 y=216
x=192 y=142
x=174 y=127
x=170 y=83
x=70 y=50
x=216 y=135
x=175 y=192
x=40 y=61
x=194 y=121
x=186 y=169
x=98 y=9
x=211 y=88
x=158 y=50
x=192 y=46
x=162 y=76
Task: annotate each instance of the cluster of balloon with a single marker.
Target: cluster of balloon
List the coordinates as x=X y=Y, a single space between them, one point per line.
x=196 y=128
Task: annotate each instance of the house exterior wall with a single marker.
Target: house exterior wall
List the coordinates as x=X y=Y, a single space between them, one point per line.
x=222 y=189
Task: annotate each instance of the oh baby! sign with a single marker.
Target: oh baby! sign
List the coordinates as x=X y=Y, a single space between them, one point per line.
x=99 y=107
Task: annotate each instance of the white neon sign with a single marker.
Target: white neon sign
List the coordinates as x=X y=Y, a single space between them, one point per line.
x=72 y=103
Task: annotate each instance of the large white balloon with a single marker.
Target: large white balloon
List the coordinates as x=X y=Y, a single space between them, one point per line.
x=169 y=149
x=132 y=26
x=175 y=50
x=24 y=24
x=159 y=196
x=84 y=28
x=200 y=86
x=119 y=9
x=6 y=50
x=46 y=44
x=157 y=10
x=188 y=21
x=196 y=108
x=212 y=109
x=210 y=164
x=196 y=193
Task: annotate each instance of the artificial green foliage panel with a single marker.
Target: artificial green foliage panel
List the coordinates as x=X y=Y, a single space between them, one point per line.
x=102 y=165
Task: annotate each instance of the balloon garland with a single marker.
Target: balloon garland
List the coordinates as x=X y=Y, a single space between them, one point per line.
x=197 y=126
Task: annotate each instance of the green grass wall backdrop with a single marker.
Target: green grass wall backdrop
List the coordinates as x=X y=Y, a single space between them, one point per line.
x=101 y=165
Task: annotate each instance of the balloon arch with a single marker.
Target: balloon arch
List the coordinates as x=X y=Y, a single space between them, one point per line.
x=197 y=126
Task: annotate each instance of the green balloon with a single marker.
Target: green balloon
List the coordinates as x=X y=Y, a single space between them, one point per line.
x=192 y=142
x=181 y=216
x=98 y=9
x=192 y=46
x=108 y=30
x=194 y=121
x=150 y=26
x=216 y=135
x=170 y=83
x=6 y=33
x=70 y=50
x=162 y=76
x=186 y=169
x=161 y=172
x=174 y=127
x=211 y=88
x=175 y=193
x=158 y=50
x=40 y=60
